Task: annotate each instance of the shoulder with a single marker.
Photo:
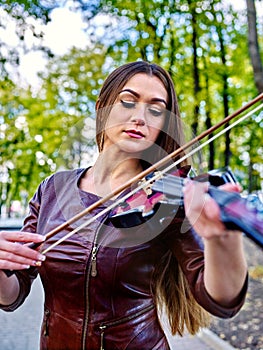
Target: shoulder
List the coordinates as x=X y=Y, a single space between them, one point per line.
x=60 y=180
x=63 y=175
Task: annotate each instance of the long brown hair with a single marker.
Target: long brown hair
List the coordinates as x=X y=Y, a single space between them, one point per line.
x=171 y=137
x=171 y=287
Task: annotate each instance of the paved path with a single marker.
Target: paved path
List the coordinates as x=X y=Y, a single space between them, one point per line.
x=19 y=330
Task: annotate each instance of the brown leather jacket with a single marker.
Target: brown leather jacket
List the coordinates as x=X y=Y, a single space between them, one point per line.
x=98 y=283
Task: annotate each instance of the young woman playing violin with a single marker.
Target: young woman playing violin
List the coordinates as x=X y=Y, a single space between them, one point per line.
x=105 y=286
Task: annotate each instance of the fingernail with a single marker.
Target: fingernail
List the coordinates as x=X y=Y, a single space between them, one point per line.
x=41 y=257
x=38 y=263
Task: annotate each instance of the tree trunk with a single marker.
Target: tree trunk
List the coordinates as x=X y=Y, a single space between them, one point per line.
x=196 y=77
x=208 y=121
x=253 y=45
x=225 y=91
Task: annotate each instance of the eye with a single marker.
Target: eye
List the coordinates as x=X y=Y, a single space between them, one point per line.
x=128 y=104
x=156 y=112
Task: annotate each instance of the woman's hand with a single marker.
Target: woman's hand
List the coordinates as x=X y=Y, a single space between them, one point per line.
x=225 y=267
x=15 y=254
x=202 y=210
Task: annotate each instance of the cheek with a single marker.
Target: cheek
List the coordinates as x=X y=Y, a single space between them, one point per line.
x=115 y=118
x=156 y=127
x=111 y=122
x=154 y=133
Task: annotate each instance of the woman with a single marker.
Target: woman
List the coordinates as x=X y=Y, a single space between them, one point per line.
x=104 y=286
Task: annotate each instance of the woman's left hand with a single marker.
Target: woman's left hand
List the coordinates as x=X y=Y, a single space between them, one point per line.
x=202 y=210
x=223 y=248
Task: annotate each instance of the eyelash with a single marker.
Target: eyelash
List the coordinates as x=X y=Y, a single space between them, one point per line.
x=130 y=105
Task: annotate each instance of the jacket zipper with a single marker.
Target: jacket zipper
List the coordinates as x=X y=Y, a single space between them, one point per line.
x=92 y=271
x=105 y=325
x=84 y=331
x=94 y=261
x=46 y=324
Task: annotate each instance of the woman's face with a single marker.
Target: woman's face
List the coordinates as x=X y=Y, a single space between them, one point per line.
x=137 y=115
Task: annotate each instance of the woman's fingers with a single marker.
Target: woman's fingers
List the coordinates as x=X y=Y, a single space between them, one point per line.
x=15 y=253
x=231 y=187
x=195 y=198
x=20 y=236
x=201 y=210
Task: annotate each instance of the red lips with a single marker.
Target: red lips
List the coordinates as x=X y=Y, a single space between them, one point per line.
x=136 y=134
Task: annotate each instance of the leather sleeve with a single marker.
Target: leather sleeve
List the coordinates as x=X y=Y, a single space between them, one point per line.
x=26 y=277
x=187 y=247
x=25 y=280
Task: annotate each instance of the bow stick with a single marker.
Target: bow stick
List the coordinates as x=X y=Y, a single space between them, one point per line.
x=147 y=171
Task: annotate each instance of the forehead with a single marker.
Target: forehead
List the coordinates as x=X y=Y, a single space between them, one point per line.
x=144 y=84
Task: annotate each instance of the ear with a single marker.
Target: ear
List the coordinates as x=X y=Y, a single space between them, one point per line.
x=97 y=104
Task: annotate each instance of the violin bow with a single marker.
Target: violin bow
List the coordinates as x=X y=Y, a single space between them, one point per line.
x=147 y=171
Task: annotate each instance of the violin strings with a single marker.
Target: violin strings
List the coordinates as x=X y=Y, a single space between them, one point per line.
x=113 y=205
x=143 y=185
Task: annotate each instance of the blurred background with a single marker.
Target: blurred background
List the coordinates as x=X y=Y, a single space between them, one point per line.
x=54 y=56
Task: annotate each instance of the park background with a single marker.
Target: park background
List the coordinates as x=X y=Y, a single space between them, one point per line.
x=54 y=56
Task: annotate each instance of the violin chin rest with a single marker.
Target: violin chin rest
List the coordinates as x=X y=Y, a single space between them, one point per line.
x=155 y=218
x=130 y=218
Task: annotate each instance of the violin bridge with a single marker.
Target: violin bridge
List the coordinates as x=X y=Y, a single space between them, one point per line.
x=148 y=187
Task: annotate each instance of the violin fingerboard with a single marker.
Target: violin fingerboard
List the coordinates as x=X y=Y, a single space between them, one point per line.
x=169 y=185
x=238 y=213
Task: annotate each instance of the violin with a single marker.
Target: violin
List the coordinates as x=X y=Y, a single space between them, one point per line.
x=166 y=195
x=163 y=198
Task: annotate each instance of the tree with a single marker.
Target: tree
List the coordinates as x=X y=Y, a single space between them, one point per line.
x=54 y=127
x=199 y=43
x=72 y=83
x=26 y=17
x=253 y=44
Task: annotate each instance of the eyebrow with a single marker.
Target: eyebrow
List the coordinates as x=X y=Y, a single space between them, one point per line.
x=155 y=99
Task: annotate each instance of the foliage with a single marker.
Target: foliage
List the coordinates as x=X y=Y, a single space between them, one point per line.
x=26 y=17
x=72 y=84
x=162 y=31
x=24 y=8
x=49 y=129
x=203 y=44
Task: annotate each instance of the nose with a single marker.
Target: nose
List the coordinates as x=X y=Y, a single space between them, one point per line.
x=138 y=117
x=138 y=121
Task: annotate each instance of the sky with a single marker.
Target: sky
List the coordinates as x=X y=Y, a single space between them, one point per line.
x=60 y=36
x=63 y=31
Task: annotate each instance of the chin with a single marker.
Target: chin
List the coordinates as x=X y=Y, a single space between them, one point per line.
x=134 y=146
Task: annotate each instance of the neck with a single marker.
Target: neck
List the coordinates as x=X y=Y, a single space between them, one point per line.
x=109 y=172
x=117 y=166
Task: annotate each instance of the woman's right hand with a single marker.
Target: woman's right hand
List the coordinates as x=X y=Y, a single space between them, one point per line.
x=15 y=254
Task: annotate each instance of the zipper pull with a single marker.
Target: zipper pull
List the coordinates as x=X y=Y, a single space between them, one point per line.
x=94 y=261
x=101 y=337
x=46 y=322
